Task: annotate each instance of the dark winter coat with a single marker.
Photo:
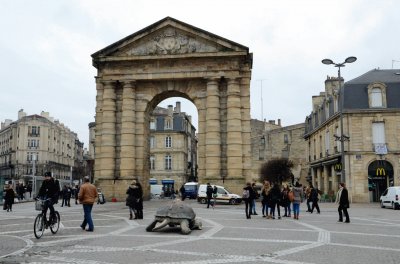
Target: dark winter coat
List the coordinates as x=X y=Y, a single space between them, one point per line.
x=135 y=197
x=344 y=199
x=9 y=196
x=49 y=189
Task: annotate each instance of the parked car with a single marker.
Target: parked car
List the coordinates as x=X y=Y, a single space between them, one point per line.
x=223 y=195
x=390 y=198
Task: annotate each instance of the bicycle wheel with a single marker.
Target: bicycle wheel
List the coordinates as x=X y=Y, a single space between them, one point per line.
x=55 y=225
x=38 y=227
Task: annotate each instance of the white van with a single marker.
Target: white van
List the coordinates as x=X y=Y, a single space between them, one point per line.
x=156 y=191
x=391 y=198
x=223 y=195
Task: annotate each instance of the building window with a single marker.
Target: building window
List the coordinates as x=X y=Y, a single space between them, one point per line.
x=168 y=162
x=327 y=142
x=152 y=142
x=377 y=95
x=168 y=123
x=378 y=133
x=285 y=139
x=153 y=124
x=152 y=163
x=168 y=142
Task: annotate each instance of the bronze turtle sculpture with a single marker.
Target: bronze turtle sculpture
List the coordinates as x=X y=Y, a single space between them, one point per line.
x=175 y=214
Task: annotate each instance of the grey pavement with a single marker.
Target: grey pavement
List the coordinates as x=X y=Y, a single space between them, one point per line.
x=373 y=236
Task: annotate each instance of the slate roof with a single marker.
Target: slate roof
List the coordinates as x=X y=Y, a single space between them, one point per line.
x=377 y=75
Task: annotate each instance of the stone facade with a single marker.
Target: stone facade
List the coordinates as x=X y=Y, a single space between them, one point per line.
x=35 y=144
x=168 y=59
x=371 y=119
x=270 y=140
x=173 y=148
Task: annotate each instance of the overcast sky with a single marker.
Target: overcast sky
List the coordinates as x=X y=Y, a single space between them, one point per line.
x=45 y=49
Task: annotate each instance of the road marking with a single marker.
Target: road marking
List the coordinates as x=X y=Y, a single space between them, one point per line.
x=29 y=244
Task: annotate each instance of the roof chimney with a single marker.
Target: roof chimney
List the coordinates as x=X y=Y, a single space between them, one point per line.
x=170 y=110
x=178 y=107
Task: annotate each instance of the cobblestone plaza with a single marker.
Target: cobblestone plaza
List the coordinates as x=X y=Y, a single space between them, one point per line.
x=373 y=236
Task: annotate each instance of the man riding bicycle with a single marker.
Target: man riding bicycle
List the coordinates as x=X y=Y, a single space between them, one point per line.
x=49 y=192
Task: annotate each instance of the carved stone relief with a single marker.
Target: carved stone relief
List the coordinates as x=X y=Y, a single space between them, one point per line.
x=170 y=41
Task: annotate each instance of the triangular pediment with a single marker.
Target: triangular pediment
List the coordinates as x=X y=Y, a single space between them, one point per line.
x=169 y=37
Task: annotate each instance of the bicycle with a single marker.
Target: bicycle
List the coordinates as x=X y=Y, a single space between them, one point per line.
x=41 y=222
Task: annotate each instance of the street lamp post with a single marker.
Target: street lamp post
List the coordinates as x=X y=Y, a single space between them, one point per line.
x=342 y=138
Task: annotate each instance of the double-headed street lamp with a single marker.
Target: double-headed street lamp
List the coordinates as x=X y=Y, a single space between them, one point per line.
x=342 y=138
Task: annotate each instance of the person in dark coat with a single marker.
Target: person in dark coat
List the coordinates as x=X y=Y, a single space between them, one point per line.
x=9 y=198
x=248 y=200
x=314 y=199
x=49 y=190
x=135 y=200
x=276 y=197
x=209 y=193
x=183 y=192
x=342 y=198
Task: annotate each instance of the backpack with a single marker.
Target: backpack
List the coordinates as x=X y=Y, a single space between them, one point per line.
x=245 y=194
x=290 y=196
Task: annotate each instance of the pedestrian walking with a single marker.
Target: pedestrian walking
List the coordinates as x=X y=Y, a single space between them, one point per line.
x=297 y=199
x=76 y=192
x=215 y=195
x=183 y=192
x=209 y=192
x=266 y=197
x=307 y=192
x=135 y=200
x=87 y=195
x=247 y=197
x=342 y=199
x=29 y=189
x=314 y=199
x=253 y=203
x=66 y=195
x=9 y=197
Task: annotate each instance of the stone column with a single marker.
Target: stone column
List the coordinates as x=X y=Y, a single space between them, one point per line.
x=128 y=157
x=246 y=127
x=319 y=176
x=313 y=176
x=213 y=132
x=335 y=182
x=98 y=119
x=201 y=134
x=326 y=179
x=234 y=130
x=108 y=131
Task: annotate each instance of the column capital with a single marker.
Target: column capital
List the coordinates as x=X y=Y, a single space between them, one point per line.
x=233 y=80
x=108 y=83
x=211 y=80
x=128 y=83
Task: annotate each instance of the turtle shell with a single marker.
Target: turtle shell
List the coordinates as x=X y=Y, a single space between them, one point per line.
x=176 y=210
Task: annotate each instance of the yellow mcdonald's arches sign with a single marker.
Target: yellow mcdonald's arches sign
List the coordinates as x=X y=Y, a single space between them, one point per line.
x=338 y=167
x=380 y=172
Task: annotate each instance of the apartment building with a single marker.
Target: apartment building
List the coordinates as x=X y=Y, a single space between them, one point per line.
x=34 y=144
x=371 y=139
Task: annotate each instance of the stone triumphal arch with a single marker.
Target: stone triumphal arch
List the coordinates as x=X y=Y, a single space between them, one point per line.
x=171 y=58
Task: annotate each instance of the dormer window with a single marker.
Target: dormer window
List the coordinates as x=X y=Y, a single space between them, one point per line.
x=168 y=123
x=377 y=95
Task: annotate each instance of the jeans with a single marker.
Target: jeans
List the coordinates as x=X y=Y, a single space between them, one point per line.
x=265 y=208
x=287 y=209
x=253 y=205
x=87 y=210
x=296 y=208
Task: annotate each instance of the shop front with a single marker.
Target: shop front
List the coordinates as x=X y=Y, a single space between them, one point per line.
x=380 y=177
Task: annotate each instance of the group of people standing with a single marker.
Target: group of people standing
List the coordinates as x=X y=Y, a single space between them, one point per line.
x=134 y=200
x=273 y=197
